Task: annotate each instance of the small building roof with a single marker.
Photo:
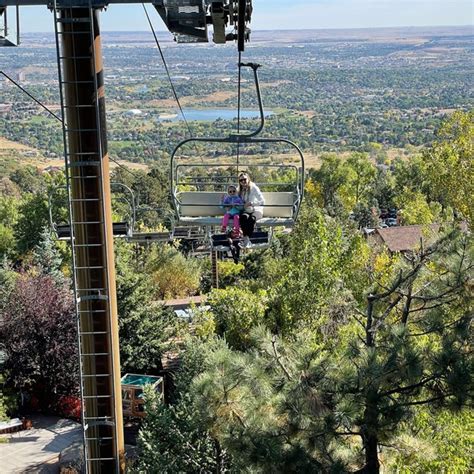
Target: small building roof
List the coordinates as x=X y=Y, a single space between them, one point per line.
x=138 y=379
x=406 y=238
x=185 y=303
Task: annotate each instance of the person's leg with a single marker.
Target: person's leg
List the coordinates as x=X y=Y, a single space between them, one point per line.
x=236 y=254
x=251 y=225
x=245 y=225
x=225 y=221
x=236 y=222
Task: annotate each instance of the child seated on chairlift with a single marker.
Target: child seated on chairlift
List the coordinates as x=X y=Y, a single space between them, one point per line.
x=233 y=205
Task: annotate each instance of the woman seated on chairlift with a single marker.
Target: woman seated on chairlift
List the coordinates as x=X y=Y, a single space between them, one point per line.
x=253 y=210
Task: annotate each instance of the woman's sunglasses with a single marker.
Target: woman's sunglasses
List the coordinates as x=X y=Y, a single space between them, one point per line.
x=243 y=180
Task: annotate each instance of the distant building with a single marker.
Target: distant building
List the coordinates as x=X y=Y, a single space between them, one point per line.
x=5 y=108
x=133 y=112
x=53 y=169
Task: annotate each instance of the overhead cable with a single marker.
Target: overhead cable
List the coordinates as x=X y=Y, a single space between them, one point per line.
x=57 y=117
x=31 y=97
x=167 y=70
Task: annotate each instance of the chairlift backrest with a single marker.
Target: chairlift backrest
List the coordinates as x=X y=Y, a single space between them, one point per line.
x=120 y=229
x=197 y=188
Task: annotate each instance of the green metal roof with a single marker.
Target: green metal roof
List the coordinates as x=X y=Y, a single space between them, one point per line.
x=136 y=379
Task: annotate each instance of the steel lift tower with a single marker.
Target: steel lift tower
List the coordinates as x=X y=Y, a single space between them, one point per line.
x=81 y=81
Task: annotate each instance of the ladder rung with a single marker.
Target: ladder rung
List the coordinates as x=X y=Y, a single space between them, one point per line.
x=79 y=164
x=95 y=354
x=87 y=245
x=91 y=289
x=77 y=82
x=84 y=177
x=99 y=421
x=74 y=58
x=78 y=106
x=95 y=375
x=89 y=397
x=92 y=311
x=87 y=223
x=92 y=298
x=86 y=200
x=101 y=459
x=103 y=438
x=99 y=418
x=93 y=267
x=74 y=20
x=82 y=153
x=93 y=333
x=82 y=130
x=74 y=32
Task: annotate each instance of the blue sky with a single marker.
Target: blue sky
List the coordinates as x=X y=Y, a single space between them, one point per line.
x=296 y=14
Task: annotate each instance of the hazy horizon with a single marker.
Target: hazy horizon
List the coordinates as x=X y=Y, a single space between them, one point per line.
x=282 y=15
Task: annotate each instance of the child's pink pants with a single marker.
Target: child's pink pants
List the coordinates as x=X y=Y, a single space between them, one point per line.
x=227 y=216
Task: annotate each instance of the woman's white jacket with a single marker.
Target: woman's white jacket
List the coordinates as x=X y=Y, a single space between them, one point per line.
x=255 y=196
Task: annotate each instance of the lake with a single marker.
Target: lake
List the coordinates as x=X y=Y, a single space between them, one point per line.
x=211 y=114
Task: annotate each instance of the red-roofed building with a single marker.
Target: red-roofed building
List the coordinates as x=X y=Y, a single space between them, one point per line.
x=404 y=238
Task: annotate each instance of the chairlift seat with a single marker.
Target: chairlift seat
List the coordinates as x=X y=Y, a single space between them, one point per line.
x=120 y=229
x=181 y=232
x=203 y=208
x=259 y=240
x=147 y=237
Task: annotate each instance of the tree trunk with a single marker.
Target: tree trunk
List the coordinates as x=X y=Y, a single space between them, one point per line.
x=372 y=464
x=370 y=437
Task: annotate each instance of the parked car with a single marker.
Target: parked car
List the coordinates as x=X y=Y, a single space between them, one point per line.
x=391 y=222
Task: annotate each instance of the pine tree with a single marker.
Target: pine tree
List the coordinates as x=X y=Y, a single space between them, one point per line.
x=324 y=405
x=48 y=258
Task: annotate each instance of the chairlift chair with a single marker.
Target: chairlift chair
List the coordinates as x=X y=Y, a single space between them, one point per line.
x=175 y=232
x=196 y=193
x=148 y=237
x=122 y=229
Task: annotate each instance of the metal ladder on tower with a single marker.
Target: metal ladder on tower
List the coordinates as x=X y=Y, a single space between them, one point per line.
x=83 y=128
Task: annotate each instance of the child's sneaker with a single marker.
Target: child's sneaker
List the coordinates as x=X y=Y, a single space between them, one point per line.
x=245 y=242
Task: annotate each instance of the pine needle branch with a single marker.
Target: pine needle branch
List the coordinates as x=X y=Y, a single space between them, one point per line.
x=277 y=358
x=409 y=387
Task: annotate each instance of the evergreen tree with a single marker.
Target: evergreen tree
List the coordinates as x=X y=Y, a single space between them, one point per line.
x=175 y=438
x=146 y=328
x=47 y=257
x=306 y=404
